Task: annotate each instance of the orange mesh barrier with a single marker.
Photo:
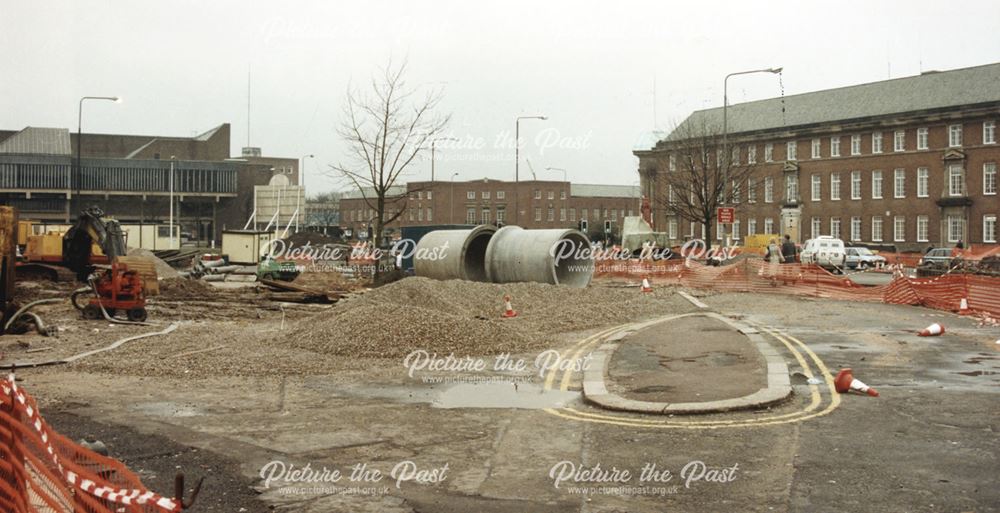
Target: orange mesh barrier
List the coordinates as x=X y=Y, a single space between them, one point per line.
x=42 y=471
x=752 y=275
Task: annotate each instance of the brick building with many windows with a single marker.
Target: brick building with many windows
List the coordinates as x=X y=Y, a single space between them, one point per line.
x=910 y=162
x=530 y=204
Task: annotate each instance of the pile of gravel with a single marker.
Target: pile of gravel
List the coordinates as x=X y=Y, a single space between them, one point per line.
x=465 y=317
x=163 y=269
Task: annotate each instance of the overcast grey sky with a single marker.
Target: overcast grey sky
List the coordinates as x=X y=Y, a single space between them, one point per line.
x=181 y=67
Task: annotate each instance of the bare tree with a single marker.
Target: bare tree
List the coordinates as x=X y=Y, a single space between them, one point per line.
x=386 y=128
x=701 y=176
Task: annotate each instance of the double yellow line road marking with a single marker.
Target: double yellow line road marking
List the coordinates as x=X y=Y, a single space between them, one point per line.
x=795 y=346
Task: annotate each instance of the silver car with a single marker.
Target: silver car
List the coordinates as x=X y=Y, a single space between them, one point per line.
x=862 y=258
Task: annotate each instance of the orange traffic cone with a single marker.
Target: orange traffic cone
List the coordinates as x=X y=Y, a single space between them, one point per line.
x=845 y=382
x=963 y=307
x=646 y=287
x=932 y=331
x=508 y=309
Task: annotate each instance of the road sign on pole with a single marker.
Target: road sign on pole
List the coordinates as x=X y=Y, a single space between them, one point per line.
x=726 y=215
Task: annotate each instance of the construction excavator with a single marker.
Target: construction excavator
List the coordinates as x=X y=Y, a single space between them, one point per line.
x=113 y=289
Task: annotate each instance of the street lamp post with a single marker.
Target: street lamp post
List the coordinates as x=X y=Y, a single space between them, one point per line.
x=517 y=162
x=451 y=202
x=78 y=178
x=172 y=160
x=434 y=143
x=727 y=158
x=557 y=169
x=299 y=194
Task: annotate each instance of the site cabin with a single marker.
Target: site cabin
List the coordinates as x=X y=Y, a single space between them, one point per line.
x=153 y=237
x=246 y=247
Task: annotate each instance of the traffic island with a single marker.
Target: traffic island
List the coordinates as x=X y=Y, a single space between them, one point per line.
x=688 y=364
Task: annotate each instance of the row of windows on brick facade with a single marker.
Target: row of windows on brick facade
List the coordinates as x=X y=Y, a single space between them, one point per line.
x=877 y=146
x=419 y=195
x=954 y=228
x=955 y=175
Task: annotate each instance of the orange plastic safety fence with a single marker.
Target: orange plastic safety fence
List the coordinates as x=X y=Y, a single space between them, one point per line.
x=42 y=471
x=982 y=293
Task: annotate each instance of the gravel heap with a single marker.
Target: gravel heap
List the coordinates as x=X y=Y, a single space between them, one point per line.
x=163 y=269
x=464 y=317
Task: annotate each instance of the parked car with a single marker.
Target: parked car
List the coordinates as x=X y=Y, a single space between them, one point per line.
x=824 y=251
x=862 y=258
x=935 y=262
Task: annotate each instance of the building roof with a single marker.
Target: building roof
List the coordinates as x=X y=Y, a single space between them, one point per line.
x=579 y=190
x=927 y=91
x=369 y=192
x=38 y=141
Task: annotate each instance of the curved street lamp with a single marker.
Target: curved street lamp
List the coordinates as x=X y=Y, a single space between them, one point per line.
x=79 y=141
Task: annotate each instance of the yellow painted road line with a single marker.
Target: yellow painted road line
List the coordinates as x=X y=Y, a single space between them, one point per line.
x=798 y=416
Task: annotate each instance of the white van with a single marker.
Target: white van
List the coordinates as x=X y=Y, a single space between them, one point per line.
x=824 y=251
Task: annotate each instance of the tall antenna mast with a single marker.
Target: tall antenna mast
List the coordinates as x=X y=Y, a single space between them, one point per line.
x=654 y=101
x=248 y=105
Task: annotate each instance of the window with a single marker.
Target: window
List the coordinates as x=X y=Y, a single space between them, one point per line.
x=835 y=146
x=562 y=194
x=430 y=214
x=718 y=230
x=562 y=214
x=855 y=228
x=501 y=195
x=672 y=163
x=420 y=195
x=411 y=214
x=855 y=185
x=672 y=228
x=768 y=226
x=835 y=227
x=769 y=152
x=856 y=144
x=501 y=214
x=921 y=138
x=486 y=216
x=954 y=136
x=791 y=188
x=955 y=228
x=835 y=186
x=815 y=149
x=552 y=214
x=899 y=229
x=752 y=154
x=899 y=140
x=671 y=195
x=990 y=228
x=552 y=195
x=876 y=228
x=899 y=183
x=430 y=194
x=485 y=195
x=768 y=189
x=583 y=214
x=877 y=142
x=922 y=176
x=735 y=156
x=922 y=224
x=597 y=214
x=817 y=226
x=877 y=184
x=736 y=191
x=751 y=190
x=538 y=194
x=956 y=180
x=790 y=150
x=736 y=229
x=990 y=178
x=572 y=215
x=470 y=195
x=817 y=182
x=538 y=214
x=470 y=216
x=691 y=230
x=751 y=226
x=989 y=132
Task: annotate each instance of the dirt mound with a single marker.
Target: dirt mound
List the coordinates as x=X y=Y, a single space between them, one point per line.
x=184 y=288
x=312 y=238
x=464 y=317
x=163 y=269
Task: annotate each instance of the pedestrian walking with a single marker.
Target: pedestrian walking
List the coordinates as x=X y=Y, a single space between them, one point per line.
x=788 y=250
x=773 y=258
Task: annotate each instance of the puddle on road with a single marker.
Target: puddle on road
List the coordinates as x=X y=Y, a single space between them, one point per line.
x=978 y=373
x=462 y=395
x=503 y=395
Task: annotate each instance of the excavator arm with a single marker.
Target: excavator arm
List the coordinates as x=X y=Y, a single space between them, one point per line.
x=90 y=228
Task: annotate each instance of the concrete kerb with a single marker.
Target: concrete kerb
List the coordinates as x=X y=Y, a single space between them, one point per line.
x=595 y=391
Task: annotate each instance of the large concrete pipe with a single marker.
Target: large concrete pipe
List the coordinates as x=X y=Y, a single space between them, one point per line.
x=559 y=257
x=453 y=254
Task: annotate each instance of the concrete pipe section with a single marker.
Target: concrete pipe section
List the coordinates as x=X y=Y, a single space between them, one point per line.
x=453 y=254
x=558 y=257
